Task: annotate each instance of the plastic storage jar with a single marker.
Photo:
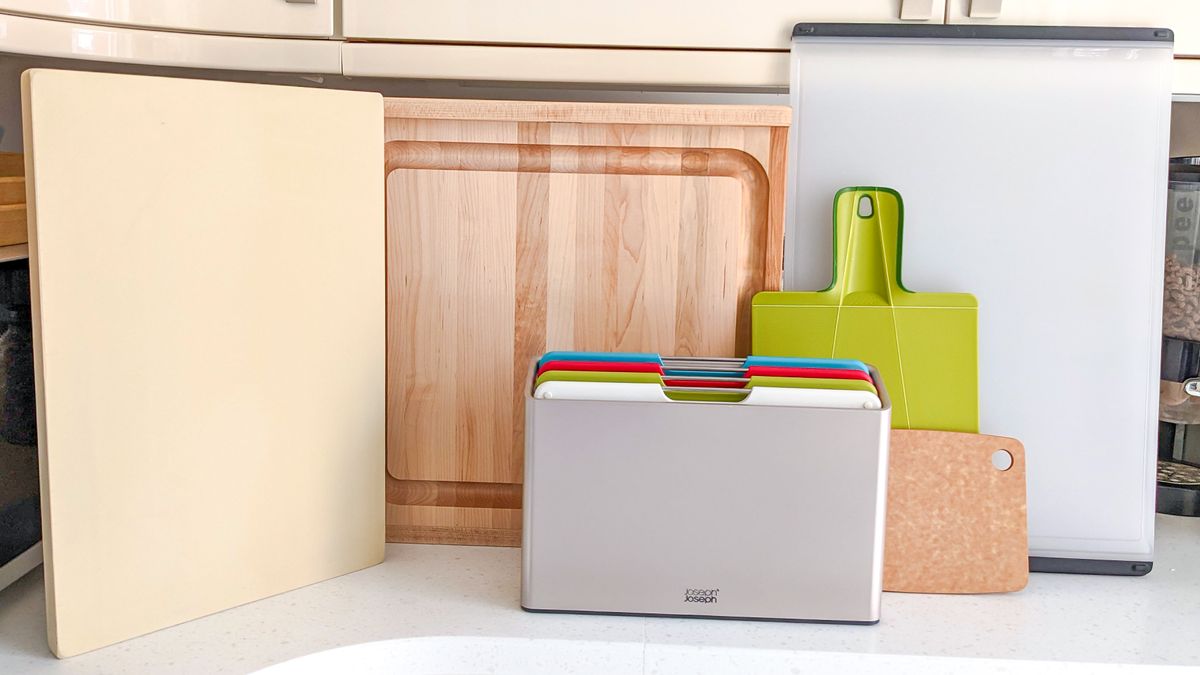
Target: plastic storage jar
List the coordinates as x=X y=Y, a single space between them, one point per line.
x=1181 y=282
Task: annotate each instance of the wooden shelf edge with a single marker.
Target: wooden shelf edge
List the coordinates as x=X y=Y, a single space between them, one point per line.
x=14 y=252
x=458 y=536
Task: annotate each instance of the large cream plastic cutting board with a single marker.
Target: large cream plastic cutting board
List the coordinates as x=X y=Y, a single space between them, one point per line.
x=209 y=331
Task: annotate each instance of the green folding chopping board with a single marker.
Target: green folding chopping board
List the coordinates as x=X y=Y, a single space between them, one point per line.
x=924 y=344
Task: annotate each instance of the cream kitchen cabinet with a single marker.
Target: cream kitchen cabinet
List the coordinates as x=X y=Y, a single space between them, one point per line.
x=677 y=24
x=298 y=18
x=680 y=43
x=701 y=44
x=68 y=39
x=1181 y=16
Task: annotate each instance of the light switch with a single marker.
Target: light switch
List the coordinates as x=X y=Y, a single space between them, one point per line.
x=916 y=10
x=985 y=9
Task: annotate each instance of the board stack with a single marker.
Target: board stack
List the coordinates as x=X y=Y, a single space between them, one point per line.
x=754 y=380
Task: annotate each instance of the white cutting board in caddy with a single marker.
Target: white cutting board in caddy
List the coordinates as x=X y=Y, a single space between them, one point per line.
x=208 y=292
x=1032 y=164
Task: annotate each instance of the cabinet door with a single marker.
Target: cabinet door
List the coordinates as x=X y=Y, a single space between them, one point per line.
x=758 y=24
x=255 y=17
x=1181 y=16
x=208 y=293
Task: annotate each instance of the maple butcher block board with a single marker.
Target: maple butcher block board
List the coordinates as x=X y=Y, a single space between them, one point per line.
x=956 y=523
x=514 y=228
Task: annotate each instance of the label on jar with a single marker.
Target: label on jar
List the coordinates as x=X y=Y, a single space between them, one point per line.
x=1183 y=222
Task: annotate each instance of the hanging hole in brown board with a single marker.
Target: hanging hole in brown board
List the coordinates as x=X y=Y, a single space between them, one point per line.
x=1002 y=460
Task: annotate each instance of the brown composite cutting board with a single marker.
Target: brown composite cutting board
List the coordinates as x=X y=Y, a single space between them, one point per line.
x=517 y=227
x=955 y=523
x=208 y=283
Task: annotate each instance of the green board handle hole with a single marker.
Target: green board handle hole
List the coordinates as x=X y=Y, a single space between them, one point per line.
x=866 y=207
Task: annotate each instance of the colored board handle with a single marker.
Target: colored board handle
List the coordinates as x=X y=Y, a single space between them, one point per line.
x=659 y=380
x=648 y=367
x=652 y=393
x=600 y=391
x=811 y=383
x=829 y=373
x=600 y=366
x=597 y=376
x=642 y=357
x=807 y=362
x=631 y=357
x=813 y=398
x=711 y=383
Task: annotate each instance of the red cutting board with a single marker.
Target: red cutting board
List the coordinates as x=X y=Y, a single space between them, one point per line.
x=955 y=522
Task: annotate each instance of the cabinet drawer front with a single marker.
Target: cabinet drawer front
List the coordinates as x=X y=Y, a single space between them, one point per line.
x=765 y=24
x=1181 y=16
x=256 y=17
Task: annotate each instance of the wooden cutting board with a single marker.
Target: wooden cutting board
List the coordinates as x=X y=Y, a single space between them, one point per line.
x=955 y=522
x=517 y=227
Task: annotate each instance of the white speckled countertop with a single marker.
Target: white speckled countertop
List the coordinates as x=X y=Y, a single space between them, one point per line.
x=424 y=591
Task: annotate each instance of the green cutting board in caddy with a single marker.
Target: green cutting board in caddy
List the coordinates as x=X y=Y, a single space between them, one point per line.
x=924 y=344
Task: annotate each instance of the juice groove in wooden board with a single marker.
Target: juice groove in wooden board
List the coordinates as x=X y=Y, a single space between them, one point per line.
x=500 y=246
x=532 y=251
x=778 y=201
x=449 y=156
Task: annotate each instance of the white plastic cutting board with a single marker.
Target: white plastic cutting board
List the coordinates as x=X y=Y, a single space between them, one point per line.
x=209 y=341
x=1033 y=174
